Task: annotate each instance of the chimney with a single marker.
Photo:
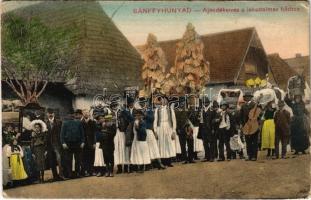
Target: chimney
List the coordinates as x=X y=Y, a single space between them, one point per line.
x=298 y=55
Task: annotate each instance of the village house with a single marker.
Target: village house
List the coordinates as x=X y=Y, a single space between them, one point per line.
x=234 y=56
x=301 y=64
x=281 y=70
x=105 y=59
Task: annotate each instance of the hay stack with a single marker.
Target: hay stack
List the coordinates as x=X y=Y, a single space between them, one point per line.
x=155 y=63
x=191 y=70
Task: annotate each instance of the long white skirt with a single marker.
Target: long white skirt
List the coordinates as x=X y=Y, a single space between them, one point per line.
x=140 y=153
x=152 y=145
x=197 y=143
x=127 y=157
x=177 y=144
x=119 y=149
x=99 y=157
x=165 y=143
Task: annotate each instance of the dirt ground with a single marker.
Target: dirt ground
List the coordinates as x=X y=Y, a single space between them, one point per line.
x=289 y=178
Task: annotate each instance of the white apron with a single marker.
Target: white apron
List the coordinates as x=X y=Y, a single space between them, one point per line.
x=177 y=144
x=167 y=146
x=152 y=145
x=99 y=157
x=140 y=151
x=119 y=148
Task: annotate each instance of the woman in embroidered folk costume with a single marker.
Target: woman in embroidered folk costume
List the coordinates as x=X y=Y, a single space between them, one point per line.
x=39 y=146
x=15 y=155
x=119 y=140
x=268 y=130
x=300 y=125
x=151 y=138
x=282 y=129
x=140 y=152
x=99 y=163
x=164 y=126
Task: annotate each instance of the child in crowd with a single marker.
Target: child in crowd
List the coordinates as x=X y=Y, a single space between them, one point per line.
x=39 y=146
x=106 y=138
x=15 y=155
x=140 y=152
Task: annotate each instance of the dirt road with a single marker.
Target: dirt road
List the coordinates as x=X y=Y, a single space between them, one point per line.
x=288 y=178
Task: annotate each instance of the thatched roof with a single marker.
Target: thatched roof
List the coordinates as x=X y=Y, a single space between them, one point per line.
x=225 y=51
x=281 y=70
x=301 y=64
x=104 y=57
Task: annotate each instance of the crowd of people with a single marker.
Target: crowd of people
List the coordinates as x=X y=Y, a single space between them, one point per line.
x=140 y=135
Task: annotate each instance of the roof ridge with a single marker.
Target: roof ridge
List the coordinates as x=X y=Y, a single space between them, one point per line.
x=230 y=31
x=306 y=56
x=205 y=35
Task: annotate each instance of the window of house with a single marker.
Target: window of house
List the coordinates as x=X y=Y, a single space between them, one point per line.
x=250 y=68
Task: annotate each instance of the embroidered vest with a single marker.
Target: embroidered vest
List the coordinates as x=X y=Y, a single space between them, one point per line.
x=169 y=113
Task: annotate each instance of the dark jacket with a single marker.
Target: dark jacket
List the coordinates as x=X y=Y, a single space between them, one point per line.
x=205 y=128
x=53 y=134
x=129 y=120
x=234 y=122
x=282 y=123
x=194 y=118
x=141 y=131
x=149 y=118
x=105 y=137
x=181 y=121
x=124 y=118
x=72 y=132
x=89 y=128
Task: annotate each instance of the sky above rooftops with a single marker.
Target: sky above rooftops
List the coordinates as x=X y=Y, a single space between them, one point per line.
x=283 y=31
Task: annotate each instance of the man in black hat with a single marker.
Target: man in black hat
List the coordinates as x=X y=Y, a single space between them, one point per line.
x=88 y=154
x=182 y=115
x=224 y=133
x=54 y=147
x=251 y=140
x=72 y=140
x=207 y=114
x=129 y=135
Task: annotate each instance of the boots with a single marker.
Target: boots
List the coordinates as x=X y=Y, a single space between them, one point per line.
x=140 y=168
x=119 y=171
x=111 y=171
x=160 y=165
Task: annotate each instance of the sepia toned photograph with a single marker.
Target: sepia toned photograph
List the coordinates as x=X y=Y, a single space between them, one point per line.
x=155 y=99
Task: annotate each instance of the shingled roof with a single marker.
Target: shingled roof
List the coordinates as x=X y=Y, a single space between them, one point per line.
x=104 y=53
x=281 y=70
x=225 y=51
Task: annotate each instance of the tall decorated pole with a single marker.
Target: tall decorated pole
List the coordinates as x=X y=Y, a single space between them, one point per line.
x=155 y=63
x=191 y=69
